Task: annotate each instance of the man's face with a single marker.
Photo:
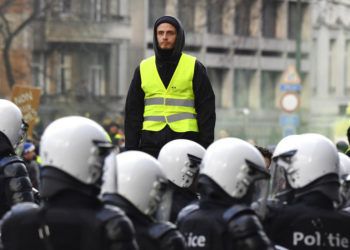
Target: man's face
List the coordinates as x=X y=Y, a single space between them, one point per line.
x=166 y=36
x=29 y=155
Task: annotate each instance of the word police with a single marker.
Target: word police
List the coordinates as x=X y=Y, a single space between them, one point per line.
x=195 y=241
x=320 y=239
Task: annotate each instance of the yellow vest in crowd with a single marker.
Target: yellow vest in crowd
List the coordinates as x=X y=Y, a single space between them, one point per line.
x=173 y=106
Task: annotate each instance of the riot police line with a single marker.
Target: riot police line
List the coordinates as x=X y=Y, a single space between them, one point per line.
x=222 y=197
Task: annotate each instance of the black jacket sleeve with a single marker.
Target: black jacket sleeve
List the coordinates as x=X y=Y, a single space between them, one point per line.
x=204 y=104
x=134 y=108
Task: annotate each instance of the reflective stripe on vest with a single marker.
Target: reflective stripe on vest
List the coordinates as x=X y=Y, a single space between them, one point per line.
x=173 y=106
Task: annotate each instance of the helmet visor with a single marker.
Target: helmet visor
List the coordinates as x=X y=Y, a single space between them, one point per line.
x=190 y=171
x=280 y=189
x=99 y=152
x=259 y=179
x=161 y=200
x=22 y=135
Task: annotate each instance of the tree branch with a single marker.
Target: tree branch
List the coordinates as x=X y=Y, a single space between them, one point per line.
x=8 y=39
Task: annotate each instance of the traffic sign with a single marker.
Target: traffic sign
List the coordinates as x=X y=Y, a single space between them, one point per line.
x=290 y=87
x=290 y=76
x=289 y=120
x=289 y=102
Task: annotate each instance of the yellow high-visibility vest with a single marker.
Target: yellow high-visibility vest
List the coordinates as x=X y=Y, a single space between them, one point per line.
x=173 y=105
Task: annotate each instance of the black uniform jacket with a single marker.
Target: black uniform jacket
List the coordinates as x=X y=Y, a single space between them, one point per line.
x=311 y=223
x=150 y=234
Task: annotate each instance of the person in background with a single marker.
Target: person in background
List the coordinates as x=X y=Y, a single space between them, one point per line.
x=233 y=175
x=266 y=154
x=15 y=185
x=180 y=160
x=71 y=216
x=342 y=146
x=170 y=96
x=347 y=152
x=116 y=135
x=33 y=168
x=139 y=187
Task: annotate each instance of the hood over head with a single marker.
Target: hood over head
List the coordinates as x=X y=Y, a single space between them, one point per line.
x=180 y=39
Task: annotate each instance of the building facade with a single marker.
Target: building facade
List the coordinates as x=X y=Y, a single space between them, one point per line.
x=84 y=53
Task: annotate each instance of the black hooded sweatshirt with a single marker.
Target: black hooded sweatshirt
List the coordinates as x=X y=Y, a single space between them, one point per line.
x=166 y=61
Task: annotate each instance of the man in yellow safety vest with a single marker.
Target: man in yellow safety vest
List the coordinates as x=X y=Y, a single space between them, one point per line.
x=170 y=96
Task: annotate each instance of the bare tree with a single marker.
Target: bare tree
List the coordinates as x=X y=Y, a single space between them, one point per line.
x=9 y=32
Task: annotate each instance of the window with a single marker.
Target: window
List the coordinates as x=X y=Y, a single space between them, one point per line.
x=156 y=10
x=187 y=13
x=241 y=88
x=242 y=17
x=347 y=68
x=66 y=6
x=292 y=20
x=215 y=13
x=97 y=73
x=97 y=84
x=38 y=70
x=112 y=9
x=64 y=73
x=332 y=66
x=96 y=10
x=295 y=19
x=100 y=10
x=61 y=8
x=216 y=77
x=269 y=17
x=269 y=81
x=314 y=60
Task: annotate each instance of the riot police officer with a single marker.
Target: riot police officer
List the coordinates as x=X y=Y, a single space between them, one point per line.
x=138 y=186
x=180 y=160
x=233 y=174
x=15 y=186
x=306 y=171
x=73 y=150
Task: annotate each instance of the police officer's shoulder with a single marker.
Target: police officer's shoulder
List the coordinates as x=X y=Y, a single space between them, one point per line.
x=236 y=211
x=244 y=225
x=21 y=210
x=12 y=166
x=117 y=225
x=167 y=235
x=10 y=159
x=159 y=229
x=242 y=221
x=187 y=210
x=110 y=211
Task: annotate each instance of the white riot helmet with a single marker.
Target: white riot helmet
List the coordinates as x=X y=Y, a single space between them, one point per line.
x=299 y=160
x=235 y=165
x=141 y=181
x=11 y=123
x=76 y=145
x=344 y=177
x=309 y=157
x=344 y=167
x=180 y=160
